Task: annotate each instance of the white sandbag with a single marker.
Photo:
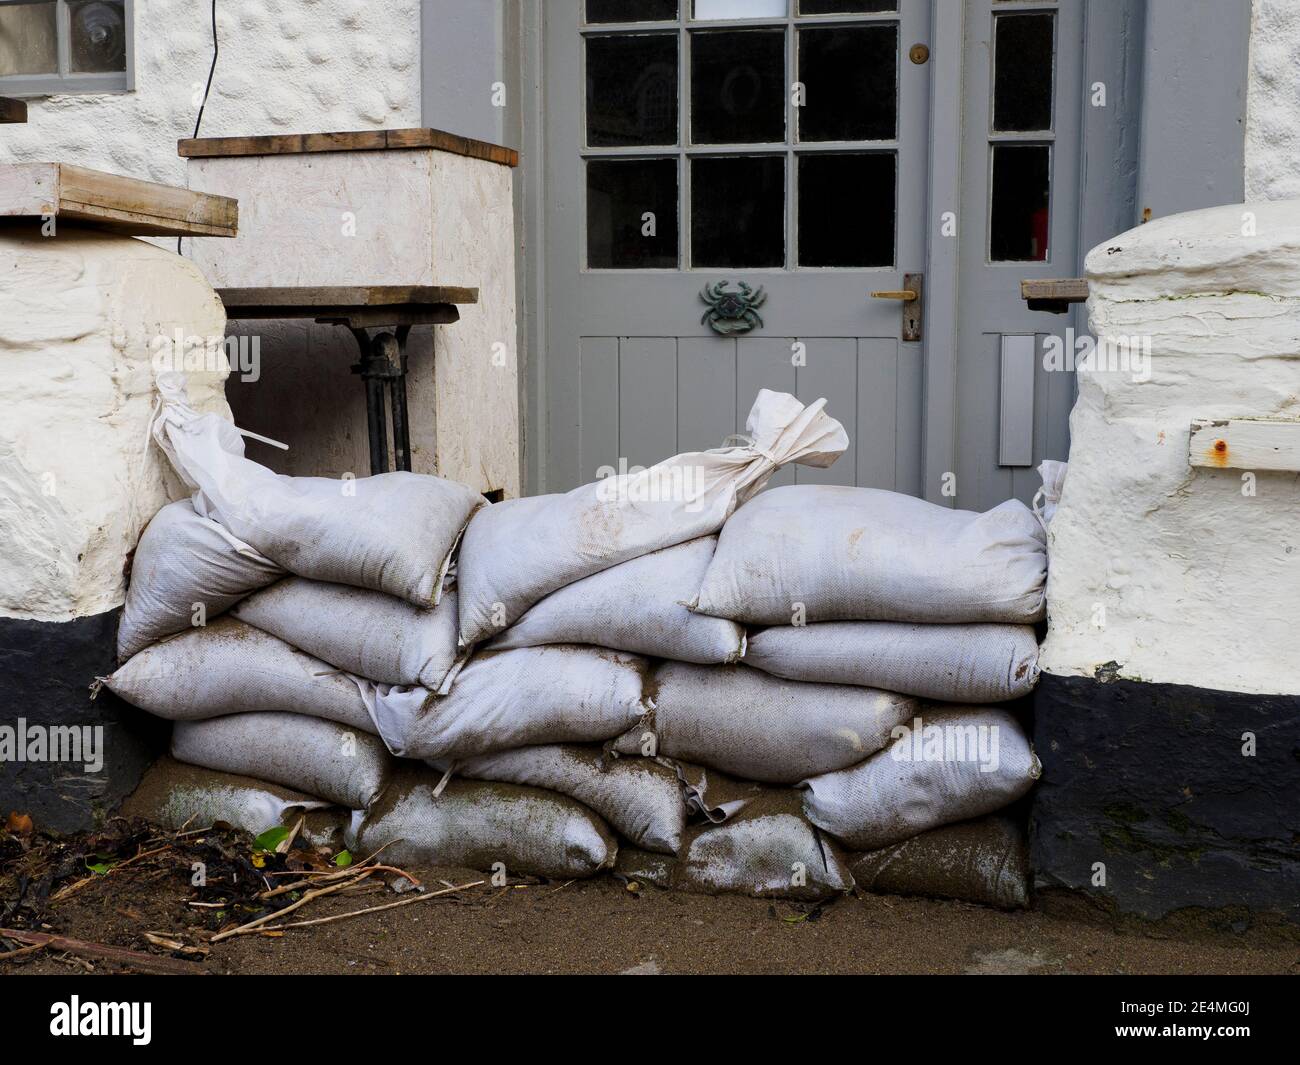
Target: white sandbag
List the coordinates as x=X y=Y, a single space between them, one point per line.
x=768 y=850
x=984 y=861
x=519 y=551
x=229 y=667
x=948 y=663
x=371 y=634
x=759 y=727
x=393 y=532
x=637 y=606
x=179 y=796
x=475 y=825
x=641 y=799
x=185 y=562
x=830 y=553
x=1048 y=497
x=950 y=764
x=507 y=699
x=319 y=757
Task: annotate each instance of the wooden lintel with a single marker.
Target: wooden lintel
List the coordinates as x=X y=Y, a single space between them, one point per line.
x=355 y=141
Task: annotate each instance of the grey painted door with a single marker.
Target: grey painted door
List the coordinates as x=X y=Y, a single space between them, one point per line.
x=794 y=145
x=750 y=141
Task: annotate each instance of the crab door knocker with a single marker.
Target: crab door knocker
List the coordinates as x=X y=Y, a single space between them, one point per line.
x=731 y=313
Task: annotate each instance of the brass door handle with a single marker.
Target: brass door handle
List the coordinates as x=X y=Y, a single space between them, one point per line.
x=913 y=305
x=906 y=295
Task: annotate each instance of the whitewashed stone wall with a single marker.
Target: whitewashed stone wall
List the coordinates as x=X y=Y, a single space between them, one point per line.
x=1179 y=574
x=303 y=66
x=1273 y=102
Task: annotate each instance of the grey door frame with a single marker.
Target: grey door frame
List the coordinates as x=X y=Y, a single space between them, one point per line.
x=1134 y=154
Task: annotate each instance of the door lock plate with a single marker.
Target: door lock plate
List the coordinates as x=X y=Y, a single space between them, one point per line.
x=912 y=297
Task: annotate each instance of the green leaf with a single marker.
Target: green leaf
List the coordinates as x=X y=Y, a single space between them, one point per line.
x=100 y=867
x=343 y=859
x=270 y=839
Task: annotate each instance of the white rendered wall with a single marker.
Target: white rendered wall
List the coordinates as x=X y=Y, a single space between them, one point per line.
x=79 y=314
x=1180 y=574
x=304 y=66
x=1273 y=102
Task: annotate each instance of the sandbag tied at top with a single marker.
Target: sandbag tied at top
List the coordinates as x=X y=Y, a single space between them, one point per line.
x=229 y=667
x=371 y=634
x=516 y=552
x=475 y=825
x=187 y=570
x=393 y=532
x=984 y=861
x=759 y=727
x=507 y=699
x=806 y=553
x=322 y=758
x=948 y=663
x=637 y=606
x=642 y=799
x=948 y=764
x=768 y=849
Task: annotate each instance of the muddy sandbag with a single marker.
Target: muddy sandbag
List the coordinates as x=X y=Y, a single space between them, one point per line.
x=806 y=553
x=517 y=552
x=948 y=663
x=768 y=850
x=393 y=532
x=229 y=667
x=369 y=633
x=185 y=565
x=949 y=764
x=641 y=799
x=760 y=727
x=476 y=824
x=336 y=763
x=187 y=797
x=637 y=606
x=506 y=699
x=984 y=861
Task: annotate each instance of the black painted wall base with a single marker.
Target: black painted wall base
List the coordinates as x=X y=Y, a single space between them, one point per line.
x=46 y=669
x=1151 y=781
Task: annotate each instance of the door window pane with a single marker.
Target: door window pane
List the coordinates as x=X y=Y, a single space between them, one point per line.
x=620 y=195
x=845 y=7
x=738 y=211
x=632 y=90
x=717 y=9
x=738 y=87
x=846 y=209
x=631 y=10
x=98 y=38
x=1022 y=72
x=1018 y=226
x=850 y=78
x=28 y=44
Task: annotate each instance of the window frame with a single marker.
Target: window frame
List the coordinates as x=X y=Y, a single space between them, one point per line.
x=66 y=82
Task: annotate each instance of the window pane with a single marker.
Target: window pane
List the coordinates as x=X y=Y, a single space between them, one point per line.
x=842 y=7
x=738 y=87
x=714 y=9
x=631 y=10
x=846 y=209
x=738 y=211
x=850 y=78
x=620 y=195
x=632 y=90
x=98 y=42
x=1018 y=227
x=1022 y=64
x=28 y=44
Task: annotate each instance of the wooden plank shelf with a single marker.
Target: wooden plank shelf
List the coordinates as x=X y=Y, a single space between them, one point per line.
x=1056 y=295
x=110 y=201
x=1245 y=444
x=356 y=141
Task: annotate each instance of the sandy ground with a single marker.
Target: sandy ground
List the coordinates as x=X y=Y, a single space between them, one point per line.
x=600 y=926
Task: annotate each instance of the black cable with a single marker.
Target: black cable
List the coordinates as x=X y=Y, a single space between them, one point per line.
x=216 y=48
